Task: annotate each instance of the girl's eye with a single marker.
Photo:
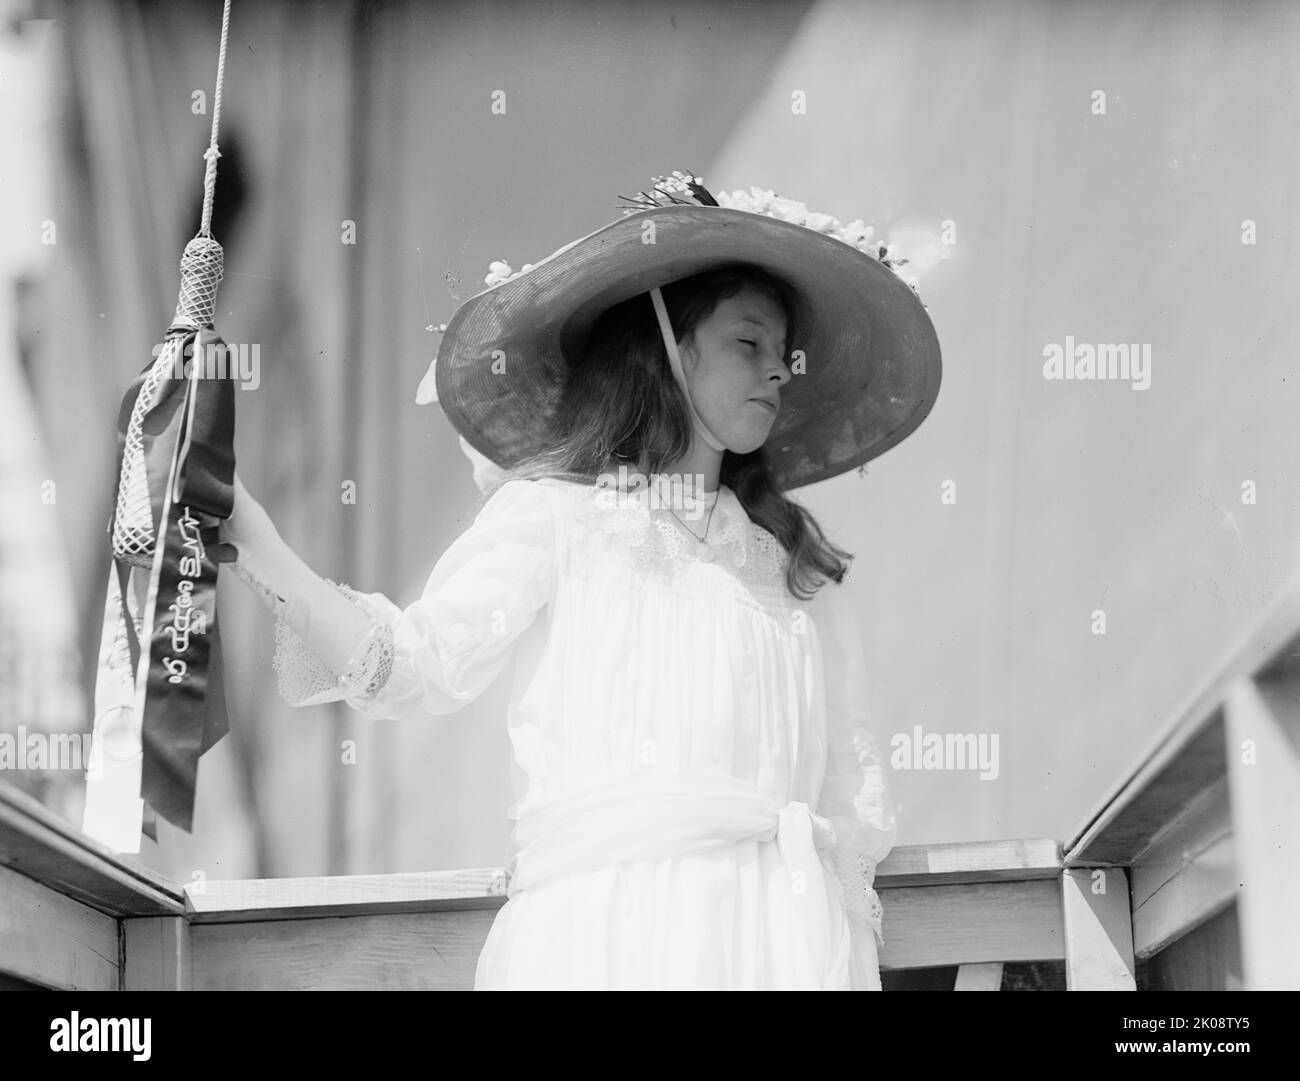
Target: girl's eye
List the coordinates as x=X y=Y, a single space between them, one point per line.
x=746 y=341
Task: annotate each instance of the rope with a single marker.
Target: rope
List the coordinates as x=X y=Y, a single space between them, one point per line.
x=202 y=264
x=212 y=153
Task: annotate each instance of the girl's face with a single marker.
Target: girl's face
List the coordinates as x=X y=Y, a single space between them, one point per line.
x=735 y=367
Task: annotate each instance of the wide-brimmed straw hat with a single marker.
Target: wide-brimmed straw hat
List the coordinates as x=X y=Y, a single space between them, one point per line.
x=869 y=350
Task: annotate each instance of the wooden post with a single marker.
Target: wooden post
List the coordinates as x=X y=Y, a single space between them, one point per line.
x=49 y=939
x=1263 y=750
x=986 y=977
x=1098 y=929
x=157 y=953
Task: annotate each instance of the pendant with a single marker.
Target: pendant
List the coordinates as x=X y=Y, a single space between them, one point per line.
x=704 y=551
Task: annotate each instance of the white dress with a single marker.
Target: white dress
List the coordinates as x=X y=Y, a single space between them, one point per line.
x=699 y=797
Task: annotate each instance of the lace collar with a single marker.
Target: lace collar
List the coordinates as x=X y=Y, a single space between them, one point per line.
x=635 y=516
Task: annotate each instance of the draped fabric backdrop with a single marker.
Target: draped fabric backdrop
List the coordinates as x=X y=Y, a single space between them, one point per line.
x=40 y=679
x=1124 y=226
x=377 y=115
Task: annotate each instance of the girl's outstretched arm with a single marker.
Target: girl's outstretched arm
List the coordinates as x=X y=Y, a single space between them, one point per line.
x=334 y=643
x=317 y=612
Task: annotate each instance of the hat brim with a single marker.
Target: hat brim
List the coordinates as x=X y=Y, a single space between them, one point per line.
x=870 y=350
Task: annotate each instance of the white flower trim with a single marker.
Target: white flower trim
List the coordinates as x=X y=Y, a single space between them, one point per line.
x=668 y=190
x=499 y=272
x=857 y=234
x=912 y=248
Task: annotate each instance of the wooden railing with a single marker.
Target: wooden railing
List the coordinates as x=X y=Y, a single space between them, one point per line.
x=1186 y=875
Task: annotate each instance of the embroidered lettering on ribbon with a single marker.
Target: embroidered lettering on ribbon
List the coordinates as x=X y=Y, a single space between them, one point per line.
x=186 y=618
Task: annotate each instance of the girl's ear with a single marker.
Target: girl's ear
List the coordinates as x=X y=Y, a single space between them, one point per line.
x=689 y=353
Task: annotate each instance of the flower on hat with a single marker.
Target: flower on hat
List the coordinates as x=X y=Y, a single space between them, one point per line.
x=499 y=271
x=915 y=249
x=857 y=234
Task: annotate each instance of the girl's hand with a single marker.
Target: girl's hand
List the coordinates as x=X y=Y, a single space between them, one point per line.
x=249 y=528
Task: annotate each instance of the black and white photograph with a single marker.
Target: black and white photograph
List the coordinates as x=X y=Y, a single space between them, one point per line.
x=728 y=495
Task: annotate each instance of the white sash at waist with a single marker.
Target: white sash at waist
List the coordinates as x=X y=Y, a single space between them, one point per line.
x=653 y=815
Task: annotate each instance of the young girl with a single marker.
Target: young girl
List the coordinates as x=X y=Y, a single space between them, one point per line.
x=699 y=798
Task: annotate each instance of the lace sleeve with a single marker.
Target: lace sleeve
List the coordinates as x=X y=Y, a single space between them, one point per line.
x=306 y=681
x=855 y=794
x=443 y=649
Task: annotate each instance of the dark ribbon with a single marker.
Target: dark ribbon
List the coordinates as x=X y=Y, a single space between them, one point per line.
x=188 y=443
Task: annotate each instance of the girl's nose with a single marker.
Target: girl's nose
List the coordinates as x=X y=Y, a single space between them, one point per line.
x=777 y=370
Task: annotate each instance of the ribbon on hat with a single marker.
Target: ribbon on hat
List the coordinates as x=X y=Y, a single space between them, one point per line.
x=675 y=360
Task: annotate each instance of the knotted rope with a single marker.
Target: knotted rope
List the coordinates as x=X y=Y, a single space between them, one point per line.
x=201 y=272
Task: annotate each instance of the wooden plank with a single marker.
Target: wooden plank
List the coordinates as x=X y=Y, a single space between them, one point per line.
x=1156 y=795
x=1202 y=823
x=979 y=861
x=1207 y=958
x=485 y=887
x=962 y=924
x=300 y=898
x=1105 y=836
x=979 y=977
x=42 y=846
x=1200 y=890
x=924 y=926
x=1098 y=930
x=1263 y=733
x=941 y=925
x=52 y=940
x=156 y=954
x=1187 y=876
x=392 y=952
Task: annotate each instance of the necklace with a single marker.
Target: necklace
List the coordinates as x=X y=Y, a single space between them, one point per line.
x=702 y=548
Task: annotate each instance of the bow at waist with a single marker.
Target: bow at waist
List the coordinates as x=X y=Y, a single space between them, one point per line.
x=653 y=815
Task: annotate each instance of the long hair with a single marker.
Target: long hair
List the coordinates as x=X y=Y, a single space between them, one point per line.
x=621 y=406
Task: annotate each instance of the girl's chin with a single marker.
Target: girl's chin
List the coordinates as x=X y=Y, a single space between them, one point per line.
x=750 y=442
